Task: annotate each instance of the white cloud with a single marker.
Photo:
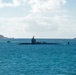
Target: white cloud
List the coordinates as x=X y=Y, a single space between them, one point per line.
x=36 y=5
x=26 y=26
x=44 y=21
x=66 y=26
x=45 y=5
x=38 y=25
x=12 y=27
x=14 y=3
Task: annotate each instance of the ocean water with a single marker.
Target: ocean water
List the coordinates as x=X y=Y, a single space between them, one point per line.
x=37 y=59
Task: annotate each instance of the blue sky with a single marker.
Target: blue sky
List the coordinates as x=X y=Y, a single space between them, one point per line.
x=42 y=18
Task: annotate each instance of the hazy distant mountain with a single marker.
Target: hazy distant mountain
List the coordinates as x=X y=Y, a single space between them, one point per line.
x=1 y=36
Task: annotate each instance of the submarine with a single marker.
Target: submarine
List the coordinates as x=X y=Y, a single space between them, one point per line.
x=34 y=42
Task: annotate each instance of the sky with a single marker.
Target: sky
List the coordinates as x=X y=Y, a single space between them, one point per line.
x=41 y=18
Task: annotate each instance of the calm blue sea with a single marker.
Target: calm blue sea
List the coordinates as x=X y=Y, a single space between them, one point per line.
x=37 y=59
